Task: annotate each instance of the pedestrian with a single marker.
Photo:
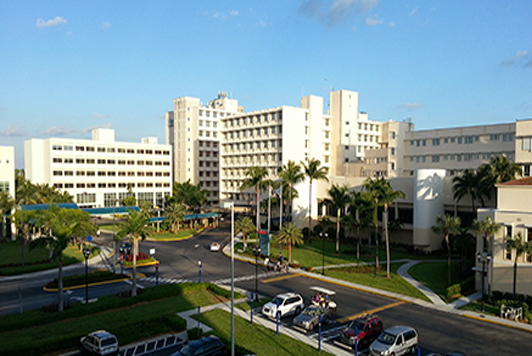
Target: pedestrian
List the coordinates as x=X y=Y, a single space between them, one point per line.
x=281 y=258
x=267 y=263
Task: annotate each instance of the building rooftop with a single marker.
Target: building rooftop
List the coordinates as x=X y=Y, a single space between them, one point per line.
x=522 y=181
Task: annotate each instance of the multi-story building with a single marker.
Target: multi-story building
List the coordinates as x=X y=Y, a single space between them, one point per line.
x=101 y=172
x=7 y=170
x=193 y=130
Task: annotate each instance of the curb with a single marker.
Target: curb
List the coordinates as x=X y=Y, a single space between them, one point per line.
x=79 y=286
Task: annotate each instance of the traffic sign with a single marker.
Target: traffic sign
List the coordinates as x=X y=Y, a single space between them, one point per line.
x=89 y=238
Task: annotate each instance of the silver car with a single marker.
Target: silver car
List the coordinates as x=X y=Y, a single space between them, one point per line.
x=99 y=342
x=396 y=341
x=310 y=317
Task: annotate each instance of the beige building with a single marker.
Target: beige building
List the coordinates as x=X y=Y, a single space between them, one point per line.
x=7 y=170
x=514 y=214
x=101 y=172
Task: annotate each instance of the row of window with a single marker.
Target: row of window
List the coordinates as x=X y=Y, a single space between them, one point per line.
x=468 y=139
x=253 y=145
x=109 y=150
x=253 y=159
x=367 y=138
x=367 y=126
x=111 y=173
x=260 y=131
x=214 y=144
x=111 y=185
x=202 y=133
x=528 y=237
x=207 y=113
x=208 y=174
x=466 y=157
x=207 y=123
x=254 y=119
x=109 y=161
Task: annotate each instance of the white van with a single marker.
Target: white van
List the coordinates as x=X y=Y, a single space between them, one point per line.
x=396 y=341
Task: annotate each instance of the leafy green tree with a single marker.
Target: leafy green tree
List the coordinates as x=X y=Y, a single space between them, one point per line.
x=245 y=226
x=447 y=225
x=291 y=174
x=464 y=242
x=130 y=200
x=291 y=235
x=7 y=204
x=337 y=203
x=192 y=196
x=313 y=171
x=175 y=213
x=136 y=226
x=384 y=195
x=521 y=247
x=63 y=224
x=256 y=179
x=469 y=184
x=485 y=229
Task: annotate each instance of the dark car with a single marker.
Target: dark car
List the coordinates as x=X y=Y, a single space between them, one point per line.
x=99 y=342
x=364 y=329
x=125 y=248
x=310 y=317
x=206 y=346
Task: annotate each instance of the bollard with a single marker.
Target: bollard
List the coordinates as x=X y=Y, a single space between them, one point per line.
x=356 y=341
x=319 y=333
x=277 y=312
x=251 y=311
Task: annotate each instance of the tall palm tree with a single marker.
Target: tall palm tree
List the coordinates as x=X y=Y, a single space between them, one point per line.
x=314 y=171
x=469 y=184
x=175 y=212
x=7 y=204
x=192 y=196
x=292 y=174
x=256 y=179
x=521 y=247
x=464 y=242
x=291 y=235
x=63 y=225
x=485 y=229
x=503 y=169
x=339 y=200
x=245 y=226
x=447 y=225
x=384 y=196
x=135 y=226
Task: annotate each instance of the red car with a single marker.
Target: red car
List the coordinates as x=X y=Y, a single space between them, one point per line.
x=364 y=329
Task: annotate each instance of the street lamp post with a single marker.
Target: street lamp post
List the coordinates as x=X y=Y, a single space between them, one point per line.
x=86 y=253
x=256 y=252
x=199 y=265
x=484 y=258
x=323 y=236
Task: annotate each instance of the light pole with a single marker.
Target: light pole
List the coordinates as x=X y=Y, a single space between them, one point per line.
x=323 y=236
x=231 y=205
x=484 y=258
x=86 y=253
x=199 y=265
x=256 y=252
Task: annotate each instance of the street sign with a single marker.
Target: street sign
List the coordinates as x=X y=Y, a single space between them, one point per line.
x=89 y=238
x=264 y=242
x=152 y=251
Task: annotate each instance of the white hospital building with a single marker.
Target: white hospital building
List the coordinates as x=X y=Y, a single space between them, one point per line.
x=101 y=172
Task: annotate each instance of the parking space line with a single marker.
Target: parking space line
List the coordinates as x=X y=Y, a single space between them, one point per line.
x=287 y=276
x=371 y=311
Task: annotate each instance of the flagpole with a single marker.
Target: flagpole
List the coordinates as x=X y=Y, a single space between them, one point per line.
x=269 y=205
x=280 y=211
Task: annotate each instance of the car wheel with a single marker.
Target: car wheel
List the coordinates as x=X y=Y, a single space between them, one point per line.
x=413 y=350
x=298 y=310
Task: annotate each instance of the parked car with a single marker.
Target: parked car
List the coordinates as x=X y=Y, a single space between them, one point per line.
x=206 y=346
x=215 y=247
x=364 y=330
x=310 y=317
x=289 y=304
x=396 y=341
x=99 y=342
x=125 y=248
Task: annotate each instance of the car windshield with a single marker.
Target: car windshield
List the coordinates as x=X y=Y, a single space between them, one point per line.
x=356 y=324
x=109 y=341
x=277 y=299
x=386 y=338
x=190 y=349
x=313 y=311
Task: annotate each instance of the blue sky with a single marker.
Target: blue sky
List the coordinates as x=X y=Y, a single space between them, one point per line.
x=69 y=66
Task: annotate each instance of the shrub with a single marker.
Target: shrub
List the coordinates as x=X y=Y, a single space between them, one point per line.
x=453 y=290
x=194 y=333
x=140 y=257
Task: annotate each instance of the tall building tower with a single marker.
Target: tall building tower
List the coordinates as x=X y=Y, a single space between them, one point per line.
x=192 y=130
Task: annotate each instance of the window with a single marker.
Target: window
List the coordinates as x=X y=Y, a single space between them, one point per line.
x=435 y=141
x=393 y=151
x=435 y=159
x=506 y=137
x=57 y=147
x=459 y=140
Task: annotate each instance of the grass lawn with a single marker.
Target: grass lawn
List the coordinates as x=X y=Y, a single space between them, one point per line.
x=34 y=260
x=255 y=339
x=246 y=306
x=434 y=276
x=365 y=275
x=130 y=319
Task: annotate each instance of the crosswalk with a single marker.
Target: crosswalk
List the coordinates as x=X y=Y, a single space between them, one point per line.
x=219 y=281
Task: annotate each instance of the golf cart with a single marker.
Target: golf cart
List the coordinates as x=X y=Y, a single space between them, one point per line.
x=323 y=297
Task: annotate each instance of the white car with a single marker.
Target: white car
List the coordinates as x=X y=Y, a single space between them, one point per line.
x=215 y=247
x=289 y=304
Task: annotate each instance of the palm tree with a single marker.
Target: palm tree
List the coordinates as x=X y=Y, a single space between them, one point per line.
x=175 y=213
x=63 y=225
x=504 y=169
x=339 y=200
x=7 y=204
x=521 y=247
x=291 y=235
x=256 y=179
x=447 y=225
x=464 y=242
x=135 y=226
x=192 y=196
x=470 y=184
x=384 y=196
x=485 y=229
x=314 y=171
x=245 y=226
x=291 y=173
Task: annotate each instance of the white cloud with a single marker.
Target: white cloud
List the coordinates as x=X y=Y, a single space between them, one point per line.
x=521 y=58
x=262 y=23
x=105 y=26
x=410 y=106
x=332 y=12
x=224 y=15
x=58 y=131
x=522 y=54
x=89 y=129
x=374 y=21
x=414 y=11
x=12 y=131
x=50 y=23
x=101 y=116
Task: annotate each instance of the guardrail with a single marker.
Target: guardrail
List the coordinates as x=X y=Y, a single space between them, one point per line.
x=153 y=345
